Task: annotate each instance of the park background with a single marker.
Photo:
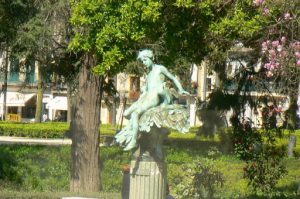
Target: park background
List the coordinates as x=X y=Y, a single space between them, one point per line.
x=85 y=44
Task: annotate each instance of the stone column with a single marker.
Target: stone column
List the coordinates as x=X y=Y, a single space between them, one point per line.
x=148 y=173
x=292 y=145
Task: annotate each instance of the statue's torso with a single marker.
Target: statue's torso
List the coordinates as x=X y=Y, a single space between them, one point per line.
x=155 y=80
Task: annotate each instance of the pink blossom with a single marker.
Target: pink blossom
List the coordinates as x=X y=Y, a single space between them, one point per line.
x=283 y=39
x=259 y=2
x=268 y=66
x=266 y=11
x=283 y=53
x=298 y=62
x=277 y=109
x=297 y=54
x=271 y=66
x=275 y=43
x=264 y=45
x=272 y=53
x=296 y=45
x=287 y=16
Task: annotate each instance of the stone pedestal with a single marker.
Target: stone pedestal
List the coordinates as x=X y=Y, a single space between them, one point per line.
x=147 y=180
x=148 y=173
x=292 y=145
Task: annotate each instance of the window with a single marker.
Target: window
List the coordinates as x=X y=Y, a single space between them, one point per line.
x=14 y=70
x=12 y=110
x=134 y=90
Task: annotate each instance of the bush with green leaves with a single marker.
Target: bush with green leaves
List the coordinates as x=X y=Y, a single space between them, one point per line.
x=263 y=156
x=199 y=179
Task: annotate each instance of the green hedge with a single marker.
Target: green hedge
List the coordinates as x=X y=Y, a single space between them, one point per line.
x=36 y=130
x=60 y=129
x=43 y=130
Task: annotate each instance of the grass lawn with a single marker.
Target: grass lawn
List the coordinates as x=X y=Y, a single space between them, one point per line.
x=34 y=171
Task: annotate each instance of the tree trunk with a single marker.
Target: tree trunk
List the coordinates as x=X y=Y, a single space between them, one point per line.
x=5 y=84
x=114 y=105
x=39 y=100
x=85 y=124
x=69 y=94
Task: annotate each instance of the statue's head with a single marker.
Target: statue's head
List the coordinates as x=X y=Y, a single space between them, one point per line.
x=145 y=53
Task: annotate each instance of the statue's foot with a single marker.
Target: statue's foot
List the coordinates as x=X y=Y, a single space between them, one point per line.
x=132 y=144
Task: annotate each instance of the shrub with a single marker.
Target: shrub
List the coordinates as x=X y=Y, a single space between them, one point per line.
x=199 y=180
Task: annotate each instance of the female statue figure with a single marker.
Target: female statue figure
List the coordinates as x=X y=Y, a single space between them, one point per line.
x=154 y=94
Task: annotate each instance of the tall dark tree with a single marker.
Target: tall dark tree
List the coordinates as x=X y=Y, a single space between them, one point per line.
x=12 y=15
x=44 y=39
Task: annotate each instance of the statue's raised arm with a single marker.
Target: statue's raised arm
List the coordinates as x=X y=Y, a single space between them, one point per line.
x=155 y=93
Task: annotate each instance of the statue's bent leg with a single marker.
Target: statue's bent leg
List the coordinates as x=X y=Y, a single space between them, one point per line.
x=138 y=109
x=134 y=131
x=134 y=120
x=132 y=108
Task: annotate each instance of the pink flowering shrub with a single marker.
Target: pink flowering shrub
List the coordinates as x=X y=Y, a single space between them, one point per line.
x=280 y=51
x=279 y=60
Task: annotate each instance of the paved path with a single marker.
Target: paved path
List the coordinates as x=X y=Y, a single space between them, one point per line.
x=33 y=141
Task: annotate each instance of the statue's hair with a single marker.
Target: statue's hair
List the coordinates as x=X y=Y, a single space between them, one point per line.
x=145 y=53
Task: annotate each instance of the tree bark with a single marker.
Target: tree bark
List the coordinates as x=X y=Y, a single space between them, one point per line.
x=69 y=97
x=39 y=100
x=5 y=83
x=85 y=124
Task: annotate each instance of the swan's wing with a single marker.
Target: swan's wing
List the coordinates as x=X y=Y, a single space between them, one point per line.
x=173 y=116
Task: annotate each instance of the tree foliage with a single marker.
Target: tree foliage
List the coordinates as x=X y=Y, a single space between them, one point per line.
x=111 y=30
x=12 y=15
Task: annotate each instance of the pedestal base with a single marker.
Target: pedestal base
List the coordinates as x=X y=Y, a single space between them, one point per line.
x=147 y=180
x=148 y=173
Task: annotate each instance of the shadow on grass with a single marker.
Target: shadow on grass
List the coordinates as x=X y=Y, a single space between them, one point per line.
x=9 y=174
x=199 y=147
x=34 y=168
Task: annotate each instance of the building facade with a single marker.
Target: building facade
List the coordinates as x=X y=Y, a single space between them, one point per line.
x=20 y=102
